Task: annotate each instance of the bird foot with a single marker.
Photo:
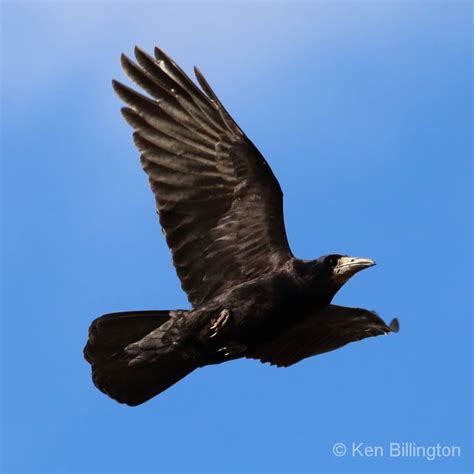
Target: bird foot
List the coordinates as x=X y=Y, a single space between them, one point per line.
x=232 y=349
x=219 y=322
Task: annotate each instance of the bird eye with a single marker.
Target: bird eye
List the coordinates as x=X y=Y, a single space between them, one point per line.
x=333 y=261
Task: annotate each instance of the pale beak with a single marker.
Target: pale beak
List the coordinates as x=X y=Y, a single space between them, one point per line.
x=348 y=266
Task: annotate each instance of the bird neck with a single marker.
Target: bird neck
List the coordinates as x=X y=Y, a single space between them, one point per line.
x=315 y=282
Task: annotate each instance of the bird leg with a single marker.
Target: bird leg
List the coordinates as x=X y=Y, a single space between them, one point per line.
x=219 y=322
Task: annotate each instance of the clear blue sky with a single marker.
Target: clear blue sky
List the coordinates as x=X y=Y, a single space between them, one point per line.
x=363 y=110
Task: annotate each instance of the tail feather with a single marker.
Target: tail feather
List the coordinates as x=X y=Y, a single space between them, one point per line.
x=111 y=369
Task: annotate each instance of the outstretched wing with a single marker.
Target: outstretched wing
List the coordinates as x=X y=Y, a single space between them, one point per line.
x=220 y=205
x=324 y=331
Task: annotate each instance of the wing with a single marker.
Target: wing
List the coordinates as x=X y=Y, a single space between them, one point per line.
x=220 y=206
x=323 y=331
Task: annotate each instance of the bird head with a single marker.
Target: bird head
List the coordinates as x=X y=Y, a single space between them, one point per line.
x=342 y=267
x=329 y=273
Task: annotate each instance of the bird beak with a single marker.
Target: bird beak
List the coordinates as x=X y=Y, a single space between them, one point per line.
x=348 y=266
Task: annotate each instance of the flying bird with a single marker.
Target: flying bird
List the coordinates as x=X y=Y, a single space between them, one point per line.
x=221 y=211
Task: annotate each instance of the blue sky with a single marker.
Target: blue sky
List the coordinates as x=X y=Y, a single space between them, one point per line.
x=364 y=112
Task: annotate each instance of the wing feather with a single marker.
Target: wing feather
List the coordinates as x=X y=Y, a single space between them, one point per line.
x=323 y=331
x=220 y=206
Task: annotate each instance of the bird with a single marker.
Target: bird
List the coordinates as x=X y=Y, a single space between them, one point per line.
x=221 y=212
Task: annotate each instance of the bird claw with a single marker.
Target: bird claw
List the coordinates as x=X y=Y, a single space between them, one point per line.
x=224 y=350
x=232 y=348
x=219 y=322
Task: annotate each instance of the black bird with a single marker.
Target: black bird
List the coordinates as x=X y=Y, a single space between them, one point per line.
x=220 y=208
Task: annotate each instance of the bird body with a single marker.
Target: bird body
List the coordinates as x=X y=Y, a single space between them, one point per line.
x=220 y=207
x=244 y=316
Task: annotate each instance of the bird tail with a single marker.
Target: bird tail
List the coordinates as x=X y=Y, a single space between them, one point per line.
x=112 y=372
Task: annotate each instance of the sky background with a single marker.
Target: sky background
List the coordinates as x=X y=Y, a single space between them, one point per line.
x=364 y=112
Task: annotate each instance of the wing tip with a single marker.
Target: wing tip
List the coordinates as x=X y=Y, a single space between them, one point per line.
x=160 y=54
x=141 y=55
x=203 y=82
x=120 y=89
x=116 y=85
x=197 y=72
x=130 y=117
x=394 y=325
x=126 y=63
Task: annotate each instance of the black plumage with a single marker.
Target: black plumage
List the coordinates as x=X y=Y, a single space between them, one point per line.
x=221 y=210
